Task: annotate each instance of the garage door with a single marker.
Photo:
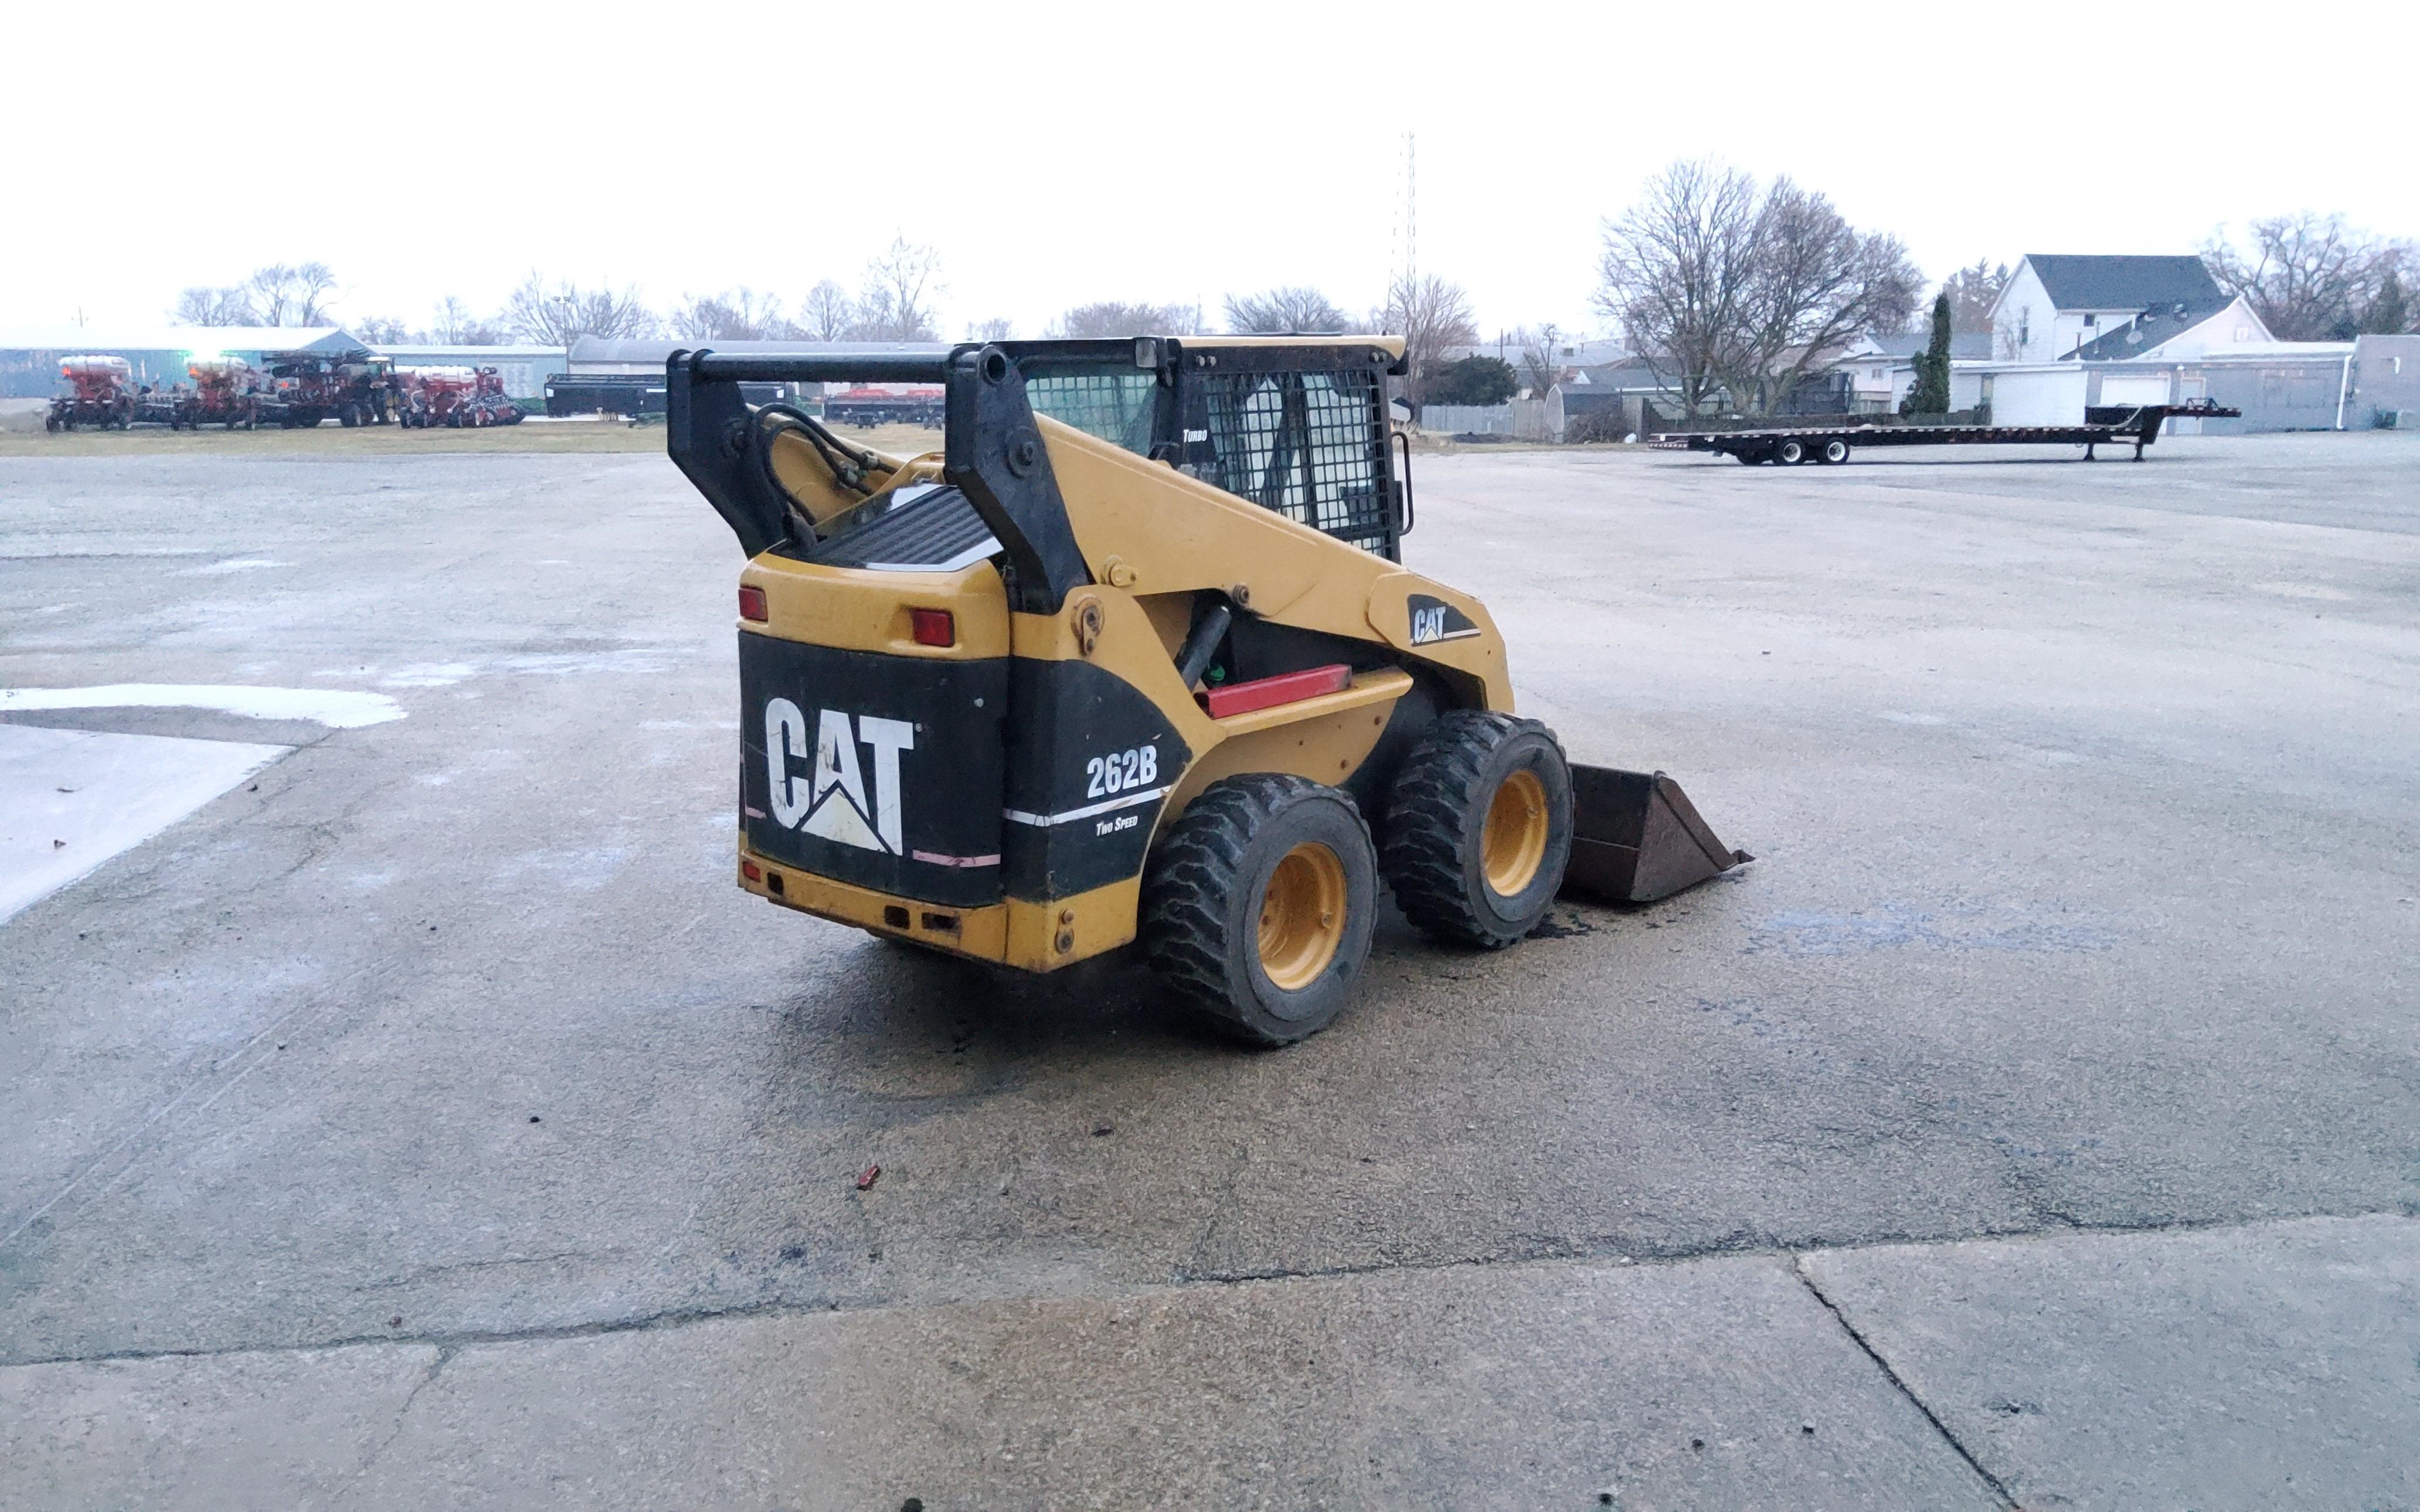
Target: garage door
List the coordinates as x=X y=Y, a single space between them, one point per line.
x=2054 y=399
x=2149 y=388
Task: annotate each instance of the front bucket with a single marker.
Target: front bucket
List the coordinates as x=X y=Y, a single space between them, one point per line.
x=1636 y=838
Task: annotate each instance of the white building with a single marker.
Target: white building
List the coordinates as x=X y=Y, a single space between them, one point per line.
x=2056 y=305
x=1882 y=369
x=29 y=358
x=2072 y=333
x=594 y=356
x=522 y=370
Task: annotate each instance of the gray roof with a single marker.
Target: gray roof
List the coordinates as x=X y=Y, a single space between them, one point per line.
x=1619 y=376
x=237 y=339
x=2099 y=283
x=605 y=349
x=2162 y=322
x=1963 y=344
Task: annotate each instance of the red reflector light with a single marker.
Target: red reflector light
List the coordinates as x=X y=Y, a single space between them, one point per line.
x=752 y=871
x=1268 y=692
x=752 y=603
x=934 y=627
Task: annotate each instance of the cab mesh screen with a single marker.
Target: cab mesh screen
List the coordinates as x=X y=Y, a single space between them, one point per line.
x=1115 y=407
x=1309 y=445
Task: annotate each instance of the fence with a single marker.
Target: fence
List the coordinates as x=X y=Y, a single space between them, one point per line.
x=1527 y=420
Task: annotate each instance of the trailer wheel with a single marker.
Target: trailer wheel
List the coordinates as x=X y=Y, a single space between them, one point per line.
x=1748 y=458
x=1258 y=904
x=1478 y=827
x=1836 y=450
x=1791 y=453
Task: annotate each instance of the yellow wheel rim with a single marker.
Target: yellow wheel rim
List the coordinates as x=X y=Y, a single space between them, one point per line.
x=1302 y=915
x=1514 y=840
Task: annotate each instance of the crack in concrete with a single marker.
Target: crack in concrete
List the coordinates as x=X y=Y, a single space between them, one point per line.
x=402 y=1413
x=818 y=1306
x=1192 y=1270
x=1999 y=1491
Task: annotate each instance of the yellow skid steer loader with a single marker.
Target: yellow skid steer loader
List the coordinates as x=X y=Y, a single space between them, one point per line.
x=1133 y=656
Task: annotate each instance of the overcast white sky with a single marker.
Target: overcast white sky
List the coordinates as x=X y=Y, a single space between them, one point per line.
x=1063 y=153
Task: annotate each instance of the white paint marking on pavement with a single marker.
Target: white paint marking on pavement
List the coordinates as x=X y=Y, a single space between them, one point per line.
x=101 y=794
x=335 y=708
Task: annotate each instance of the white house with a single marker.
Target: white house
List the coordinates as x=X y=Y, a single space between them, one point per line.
x=1882 y=369
x=2055 y=306
x=2070 y=334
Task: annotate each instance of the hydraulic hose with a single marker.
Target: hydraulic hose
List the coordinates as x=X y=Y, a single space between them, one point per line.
x=846 y=464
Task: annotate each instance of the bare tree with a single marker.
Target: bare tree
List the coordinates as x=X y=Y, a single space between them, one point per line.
x=1972 y=293
x=2308 y=277
x=999 y=327
x=1817 y=283
x=559 y=316
x=379 y=331
x=458 y=325
x=1675 y=272
x=289 y=294
x=896 y=302
x=1291 y=310
x=212 y=307
x=1432 y=316
x=737 y=315
x=1111 y=317
x=827 y=313
x=1719 y=284
x=1542 y=358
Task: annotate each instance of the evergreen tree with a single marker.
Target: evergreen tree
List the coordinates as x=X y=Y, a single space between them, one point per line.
x=1930 y=393
x=1480 y=380
x=2388 y=314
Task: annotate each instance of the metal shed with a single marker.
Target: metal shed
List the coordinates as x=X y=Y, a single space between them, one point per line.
x=29 y=359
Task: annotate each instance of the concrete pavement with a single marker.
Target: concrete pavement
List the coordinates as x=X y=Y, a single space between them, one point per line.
x=446 y=1066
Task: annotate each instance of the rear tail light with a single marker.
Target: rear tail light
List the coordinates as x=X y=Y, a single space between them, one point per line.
x=933 y=626
x=752 y=603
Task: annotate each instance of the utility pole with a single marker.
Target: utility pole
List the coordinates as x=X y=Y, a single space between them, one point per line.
x=1407 y=251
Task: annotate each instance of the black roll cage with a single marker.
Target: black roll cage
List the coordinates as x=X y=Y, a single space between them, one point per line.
x=992 y=450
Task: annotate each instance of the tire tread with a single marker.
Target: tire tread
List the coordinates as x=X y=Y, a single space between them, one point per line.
x=1433 y=818
x=1197 y=868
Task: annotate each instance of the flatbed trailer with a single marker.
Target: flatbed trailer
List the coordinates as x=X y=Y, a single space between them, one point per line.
x=2114 y=424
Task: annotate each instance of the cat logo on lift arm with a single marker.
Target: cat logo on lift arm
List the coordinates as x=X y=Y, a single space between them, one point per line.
x=837 y=802
x=1434 y=620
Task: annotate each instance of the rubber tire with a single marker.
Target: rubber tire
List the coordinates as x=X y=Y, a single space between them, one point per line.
x=1201 y=898
x=1832 y=445
x=1436 y=814
x=1789 y=454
